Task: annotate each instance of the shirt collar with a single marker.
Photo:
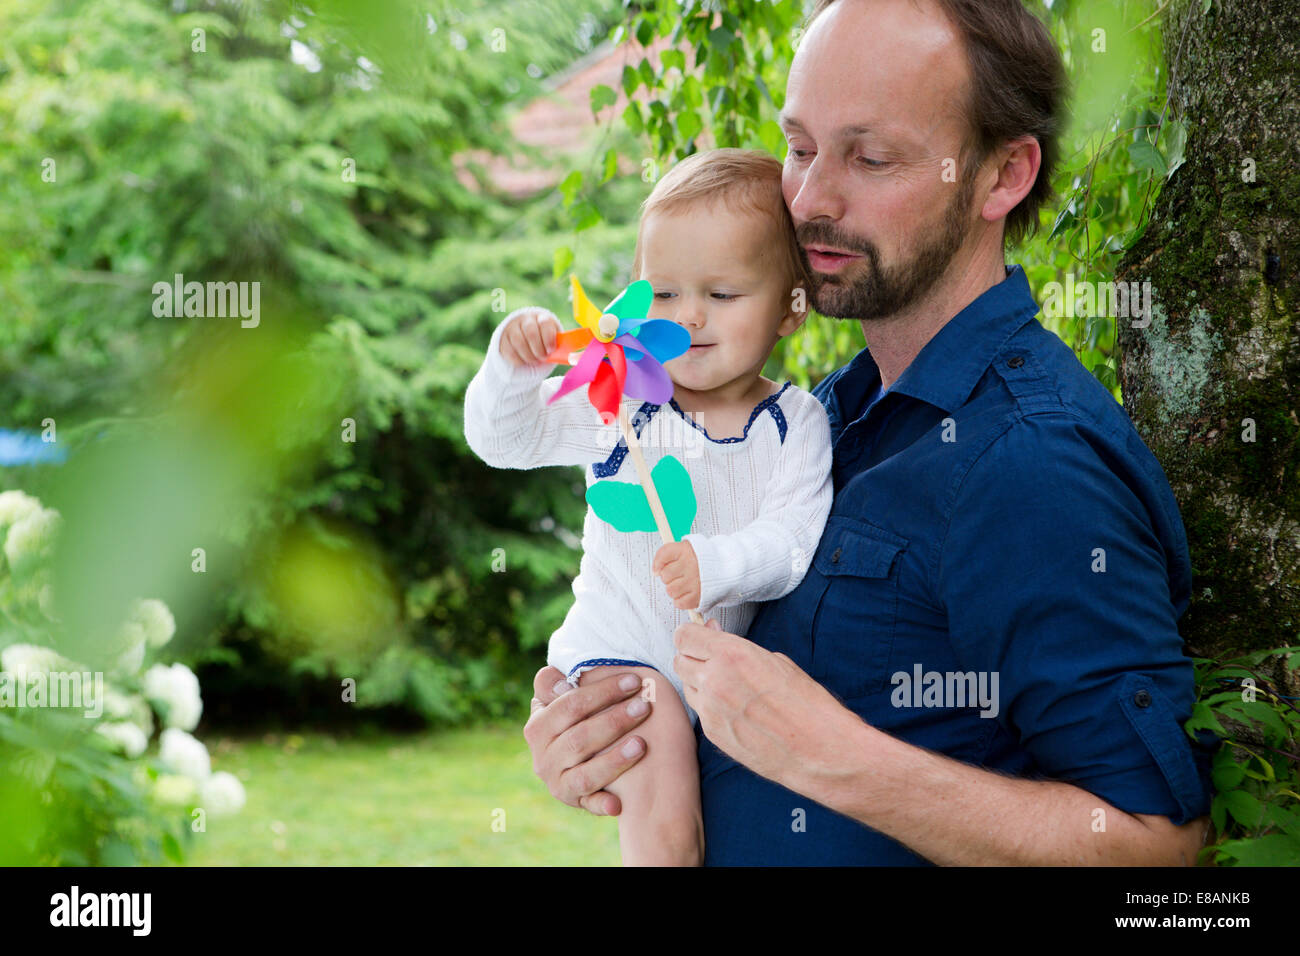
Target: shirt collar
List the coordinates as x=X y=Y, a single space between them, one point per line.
x=946 y=370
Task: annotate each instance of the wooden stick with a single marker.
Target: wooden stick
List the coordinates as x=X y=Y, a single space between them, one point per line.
x=651 y=492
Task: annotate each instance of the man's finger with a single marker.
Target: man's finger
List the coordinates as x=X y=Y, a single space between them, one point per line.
x=584 y=781
x=588 y=718
x=544 y=683
x=695 y=640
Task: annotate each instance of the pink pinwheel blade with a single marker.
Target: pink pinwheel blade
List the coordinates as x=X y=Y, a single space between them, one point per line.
x=583 y=372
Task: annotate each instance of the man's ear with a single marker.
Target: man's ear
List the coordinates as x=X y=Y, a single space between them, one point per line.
x=797 y=313
x=1018 y=162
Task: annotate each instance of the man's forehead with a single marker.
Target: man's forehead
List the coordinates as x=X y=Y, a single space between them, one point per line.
x=875 y=66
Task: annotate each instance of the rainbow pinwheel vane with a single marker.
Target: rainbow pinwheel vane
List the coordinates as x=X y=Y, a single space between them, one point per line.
x=664 y=501
x=608 y=340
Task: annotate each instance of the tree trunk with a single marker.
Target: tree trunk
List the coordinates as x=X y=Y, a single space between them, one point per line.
x=1213 y=381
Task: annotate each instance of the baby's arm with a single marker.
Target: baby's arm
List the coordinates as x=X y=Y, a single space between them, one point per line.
x=507 y=421
x=768 y=557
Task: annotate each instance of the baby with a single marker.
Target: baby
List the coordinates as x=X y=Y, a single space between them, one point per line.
x=716 y=244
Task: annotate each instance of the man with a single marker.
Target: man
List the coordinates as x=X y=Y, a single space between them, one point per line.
x=982 y=664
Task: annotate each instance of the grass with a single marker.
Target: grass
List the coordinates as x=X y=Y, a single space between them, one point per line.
x=459 y=798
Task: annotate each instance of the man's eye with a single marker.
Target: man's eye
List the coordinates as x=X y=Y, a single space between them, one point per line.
x=873 y=163
x=799 y=153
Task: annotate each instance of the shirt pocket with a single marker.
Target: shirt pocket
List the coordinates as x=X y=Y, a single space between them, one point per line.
x=857 y=614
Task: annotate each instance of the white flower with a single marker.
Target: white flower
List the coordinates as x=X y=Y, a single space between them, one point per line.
x=222 y=794
x=132 y=708
x=30 y=537
x=15 y=505
x=24 y=659
x=182 y=754
x=169 y=788
x=175 y=692
x=128 y=738
x=154 y=620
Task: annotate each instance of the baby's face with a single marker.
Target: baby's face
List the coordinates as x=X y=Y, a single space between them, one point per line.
x=718 y=274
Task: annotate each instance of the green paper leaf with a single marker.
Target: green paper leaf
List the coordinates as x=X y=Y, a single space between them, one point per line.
x=624 y=505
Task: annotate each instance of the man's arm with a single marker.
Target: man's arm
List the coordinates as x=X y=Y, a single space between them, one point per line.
x=763 y=711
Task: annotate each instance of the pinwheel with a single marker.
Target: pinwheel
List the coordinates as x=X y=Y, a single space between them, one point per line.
x=620 y=351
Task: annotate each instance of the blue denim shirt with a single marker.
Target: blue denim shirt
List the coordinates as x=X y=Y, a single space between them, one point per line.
x=996 y=518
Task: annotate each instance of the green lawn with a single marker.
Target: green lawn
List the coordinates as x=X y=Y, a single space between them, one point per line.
x=396 y=799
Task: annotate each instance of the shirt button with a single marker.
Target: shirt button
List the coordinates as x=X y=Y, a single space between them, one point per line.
x=1015 y=362
x=1142 y=699
x=835 y=558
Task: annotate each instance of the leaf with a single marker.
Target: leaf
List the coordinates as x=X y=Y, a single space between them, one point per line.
x=631 y=79
x=1273 y=849
x=1177 y=143
x=1227 y=773
x=1064 y=220
x=601 y=97
x=1146 y=156
x=1244 y=808
x=673 y=58
x=689 y=124
x=1205 y=6
x=563 y=261
x=611 y=165
x=645 y=31
x=585 y=215
x=632 y=117
x=569 y=187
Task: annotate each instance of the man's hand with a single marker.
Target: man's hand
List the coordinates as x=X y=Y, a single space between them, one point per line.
x=758 y=707
x=679 y=569
x=576 y=736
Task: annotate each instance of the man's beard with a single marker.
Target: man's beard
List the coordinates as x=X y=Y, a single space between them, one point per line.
x=880 y=293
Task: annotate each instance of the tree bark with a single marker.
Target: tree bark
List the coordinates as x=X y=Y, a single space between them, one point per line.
x=1213 y=381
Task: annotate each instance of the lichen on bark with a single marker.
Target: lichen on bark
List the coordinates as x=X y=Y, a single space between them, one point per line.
x=1213 y=381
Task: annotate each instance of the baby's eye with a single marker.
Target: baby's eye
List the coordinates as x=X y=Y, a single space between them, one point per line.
x=725 y=296
x=662 y=295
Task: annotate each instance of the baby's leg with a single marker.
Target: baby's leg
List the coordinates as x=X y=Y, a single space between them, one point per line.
x=661 y=823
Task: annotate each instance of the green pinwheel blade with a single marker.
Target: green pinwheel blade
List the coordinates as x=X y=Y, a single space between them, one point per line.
x=634 y=301
x=623 y=504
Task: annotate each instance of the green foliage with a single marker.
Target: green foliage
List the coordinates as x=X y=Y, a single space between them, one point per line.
x=321 y=151
x=1256 y=769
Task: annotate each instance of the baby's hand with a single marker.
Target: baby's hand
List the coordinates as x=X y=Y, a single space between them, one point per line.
x=529 y=336
x=677 y=566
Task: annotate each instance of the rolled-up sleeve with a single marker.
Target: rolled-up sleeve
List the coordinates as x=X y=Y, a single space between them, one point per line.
x=1054 y=578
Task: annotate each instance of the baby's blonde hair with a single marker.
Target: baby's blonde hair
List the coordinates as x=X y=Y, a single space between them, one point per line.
x=742 y=179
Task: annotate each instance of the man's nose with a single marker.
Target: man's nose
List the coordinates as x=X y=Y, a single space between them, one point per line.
x=819 y=195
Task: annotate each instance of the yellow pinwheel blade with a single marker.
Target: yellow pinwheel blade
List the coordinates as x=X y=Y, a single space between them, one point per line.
x=584 y=313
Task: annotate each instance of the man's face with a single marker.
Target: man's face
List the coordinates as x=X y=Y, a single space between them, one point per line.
x=874 y=106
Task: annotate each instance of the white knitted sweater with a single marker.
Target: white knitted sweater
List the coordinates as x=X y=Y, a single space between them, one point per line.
x=762 y=504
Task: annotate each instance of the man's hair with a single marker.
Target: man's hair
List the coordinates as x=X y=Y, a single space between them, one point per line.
x=1018 y=89
x=741 y=180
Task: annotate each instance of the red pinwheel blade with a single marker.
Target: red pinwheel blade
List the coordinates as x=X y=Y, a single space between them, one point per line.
x=606 y=389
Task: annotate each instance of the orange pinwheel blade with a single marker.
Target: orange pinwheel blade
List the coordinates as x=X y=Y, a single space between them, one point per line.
x=568 y=342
